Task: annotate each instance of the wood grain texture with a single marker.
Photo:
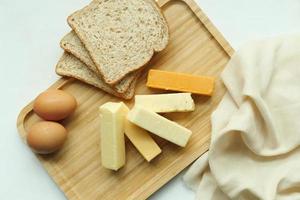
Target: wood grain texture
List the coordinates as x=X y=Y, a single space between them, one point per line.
x=195 y=47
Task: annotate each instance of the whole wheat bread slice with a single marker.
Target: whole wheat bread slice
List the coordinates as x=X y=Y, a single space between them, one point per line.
x=72 y=44
x=70 y=66
x=121 y=36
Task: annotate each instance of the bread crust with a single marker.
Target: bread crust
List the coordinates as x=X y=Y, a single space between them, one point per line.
x=126 y=95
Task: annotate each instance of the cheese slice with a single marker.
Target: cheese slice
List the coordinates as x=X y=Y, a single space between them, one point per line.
x=164 y=103
x=112 y=128
x=180 y=82
x=159 y=125
x=141 y=139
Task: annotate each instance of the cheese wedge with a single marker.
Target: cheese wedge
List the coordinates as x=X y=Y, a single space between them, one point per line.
x=164 y=103
x=112 y=129
x=159 y=125
x=180 y=82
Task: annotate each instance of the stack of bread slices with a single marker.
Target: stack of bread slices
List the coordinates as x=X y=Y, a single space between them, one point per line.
x=110 y=43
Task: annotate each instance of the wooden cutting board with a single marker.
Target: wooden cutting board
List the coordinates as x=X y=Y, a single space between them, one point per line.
x=195 y=47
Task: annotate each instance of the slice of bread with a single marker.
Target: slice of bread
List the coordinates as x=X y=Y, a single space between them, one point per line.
x=72 y=44
x=70 y=66
x=121 y=36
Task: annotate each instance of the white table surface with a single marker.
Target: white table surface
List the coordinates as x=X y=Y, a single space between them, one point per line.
x=30 y=32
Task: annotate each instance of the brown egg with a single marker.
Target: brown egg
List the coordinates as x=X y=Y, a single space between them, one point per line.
x=46 y=137
x=54 y=105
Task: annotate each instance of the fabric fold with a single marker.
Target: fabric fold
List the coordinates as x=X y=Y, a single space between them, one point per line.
x=254 y=151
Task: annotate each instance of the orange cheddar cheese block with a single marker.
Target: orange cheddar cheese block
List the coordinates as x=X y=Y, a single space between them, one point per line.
x=181 y=82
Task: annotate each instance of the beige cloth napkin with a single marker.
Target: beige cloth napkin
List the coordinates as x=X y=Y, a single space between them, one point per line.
x=254 y=151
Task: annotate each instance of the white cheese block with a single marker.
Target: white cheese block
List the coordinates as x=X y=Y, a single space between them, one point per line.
x=163 y=103
x=159 y=125
x=141 y=139
x=112 y=128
